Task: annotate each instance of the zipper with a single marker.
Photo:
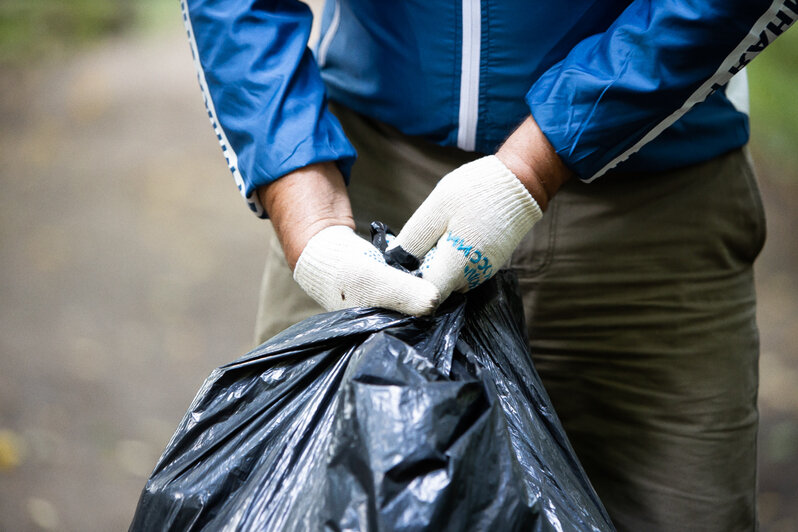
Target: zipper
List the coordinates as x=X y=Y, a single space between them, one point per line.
x=324 y=45
x=469 y=75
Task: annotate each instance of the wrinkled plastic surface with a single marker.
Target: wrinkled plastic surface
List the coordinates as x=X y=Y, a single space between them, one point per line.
x=365 y=419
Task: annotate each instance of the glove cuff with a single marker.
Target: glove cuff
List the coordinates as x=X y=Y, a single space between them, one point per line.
x=504 y=193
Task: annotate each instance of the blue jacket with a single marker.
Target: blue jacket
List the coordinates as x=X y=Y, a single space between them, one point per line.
x=637 y=84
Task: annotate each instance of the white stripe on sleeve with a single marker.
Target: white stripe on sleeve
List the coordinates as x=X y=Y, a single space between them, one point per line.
x=769 y=26
x=227 y=150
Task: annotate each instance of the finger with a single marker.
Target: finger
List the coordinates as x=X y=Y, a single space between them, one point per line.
x=380 y=285
x=408 y=294
x=443 y=267
x=424 y=227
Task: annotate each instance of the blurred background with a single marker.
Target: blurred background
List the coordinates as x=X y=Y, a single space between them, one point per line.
x=129 y=265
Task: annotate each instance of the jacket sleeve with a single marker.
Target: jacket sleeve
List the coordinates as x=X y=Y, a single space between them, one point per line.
x=616 y=91
x=263 y=90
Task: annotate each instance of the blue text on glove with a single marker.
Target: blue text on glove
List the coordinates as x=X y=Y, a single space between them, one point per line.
x=478 y=269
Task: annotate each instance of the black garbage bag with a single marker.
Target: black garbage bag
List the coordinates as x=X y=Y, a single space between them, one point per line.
x=365 y=419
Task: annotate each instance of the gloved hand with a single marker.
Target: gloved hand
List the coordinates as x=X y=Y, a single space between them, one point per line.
x=338 y=269
x=472 y=221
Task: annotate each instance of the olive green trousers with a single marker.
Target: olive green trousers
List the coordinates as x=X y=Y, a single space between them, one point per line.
x=639 y=300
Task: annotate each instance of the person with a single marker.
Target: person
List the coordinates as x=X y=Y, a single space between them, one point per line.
x=479 y=125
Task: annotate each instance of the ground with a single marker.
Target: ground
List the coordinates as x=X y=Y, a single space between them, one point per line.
x=130 y=269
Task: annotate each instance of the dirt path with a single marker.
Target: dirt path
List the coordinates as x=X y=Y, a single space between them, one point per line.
x=129 y=270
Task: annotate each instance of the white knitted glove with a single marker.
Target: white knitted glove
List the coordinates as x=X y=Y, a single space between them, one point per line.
x=469 y=225
x=340 y=270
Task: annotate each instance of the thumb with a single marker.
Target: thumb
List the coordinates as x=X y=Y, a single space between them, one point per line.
x=444 y=267
x=423 y=229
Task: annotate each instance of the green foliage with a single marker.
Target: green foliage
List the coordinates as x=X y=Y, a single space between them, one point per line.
x=773 y=79
x=34 y=29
